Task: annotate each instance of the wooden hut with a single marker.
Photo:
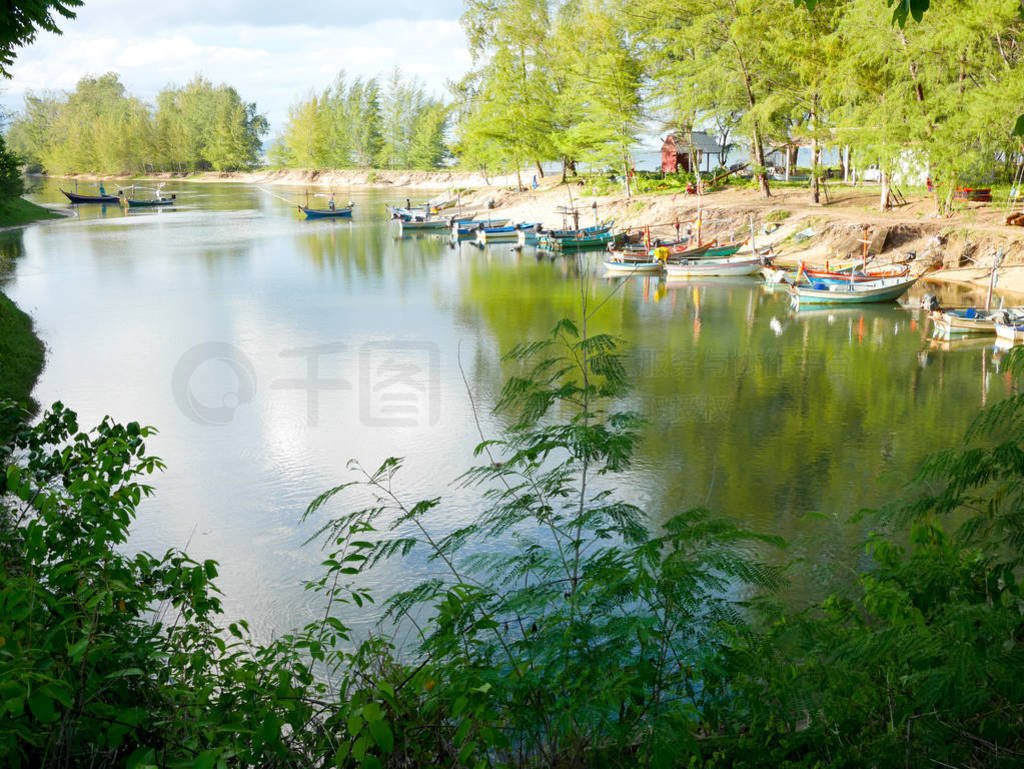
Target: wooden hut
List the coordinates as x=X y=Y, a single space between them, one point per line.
x=675 y=153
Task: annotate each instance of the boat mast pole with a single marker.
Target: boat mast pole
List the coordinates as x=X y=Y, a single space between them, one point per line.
x=992 y=279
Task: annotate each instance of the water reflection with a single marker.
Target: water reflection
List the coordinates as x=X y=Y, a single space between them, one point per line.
x=753 y=410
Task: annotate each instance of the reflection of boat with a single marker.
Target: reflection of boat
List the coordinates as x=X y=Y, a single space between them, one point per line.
x=711 y=281
x=963 y=343
x=884 y=290
x=733 y=265
x=74 y=197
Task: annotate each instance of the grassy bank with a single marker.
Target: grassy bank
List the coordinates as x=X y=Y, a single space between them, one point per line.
x=18 y=211
x=21 y=354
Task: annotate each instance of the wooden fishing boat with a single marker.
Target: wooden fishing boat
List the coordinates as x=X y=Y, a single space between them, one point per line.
x=727 y=249
x=882 y=290
x=468 y=229
x=826 y=276
x=149 y=202
x=506 y=234
x=725 y=266
x=615 y=267
x=1012 y=332
x=685 y=251
x=74 y=197
x=326 y=213
x=970 y=320
x=423 y=225
x=579 y=243
x=597 y=229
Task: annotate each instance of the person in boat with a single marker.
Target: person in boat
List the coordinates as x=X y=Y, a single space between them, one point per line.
x=330 y=203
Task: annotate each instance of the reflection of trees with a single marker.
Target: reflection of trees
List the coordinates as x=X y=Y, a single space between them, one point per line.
x=831 y=415
x=12 y=248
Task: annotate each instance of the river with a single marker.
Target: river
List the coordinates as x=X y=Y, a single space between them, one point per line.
x=269 y=351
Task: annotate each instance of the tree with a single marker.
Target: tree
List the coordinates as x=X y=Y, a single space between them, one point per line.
x=22 y=19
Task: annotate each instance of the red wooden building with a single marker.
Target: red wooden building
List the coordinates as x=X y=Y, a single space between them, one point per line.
x=675 y=153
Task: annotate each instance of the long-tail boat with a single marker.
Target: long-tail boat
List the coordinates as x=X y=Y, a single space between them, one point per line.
x=327 y=213
x=74 y=197
x=882 y=290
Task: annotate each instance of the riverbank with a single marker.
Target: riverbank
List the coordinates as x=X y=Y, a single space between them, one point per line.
x=952 y=249
x=957 y=249
x=22 y=353
x=17 y=212
x=327 y=179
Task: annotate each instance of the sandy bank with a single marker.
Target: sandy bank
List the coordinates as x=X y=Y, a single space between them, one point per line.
x=341 y=179
x=957 y=249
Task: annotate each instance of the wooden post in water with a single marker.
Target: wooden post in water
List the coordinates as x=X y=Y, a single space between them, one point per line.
x=996 y=260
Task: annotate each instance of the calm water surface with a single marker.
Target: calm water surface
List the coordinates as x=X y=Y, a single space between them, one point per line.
x=269 y=351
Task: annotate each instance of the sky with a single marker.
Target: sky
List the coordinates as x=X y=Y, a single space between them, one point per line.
x=273 y=53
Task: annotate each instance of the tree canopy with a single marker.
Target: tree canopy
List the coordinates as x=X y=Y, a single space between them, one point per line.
x=22 y=19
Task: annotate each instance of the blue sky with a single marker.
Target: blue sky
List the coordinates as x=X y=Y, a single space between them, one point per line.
x=272 y=52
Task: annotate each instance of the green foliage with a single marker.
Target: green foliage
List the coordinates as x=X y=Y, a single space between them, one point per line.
x=360 y=125
x=22 y=354
x=558 y=627
x=22 y=19
x=100 y=128
x=11 y=182
x=581 y=638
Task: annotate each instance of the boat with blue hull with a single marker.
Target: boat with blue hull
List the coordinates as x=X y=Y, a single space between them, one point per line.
x=345 y=212
x=883 y=290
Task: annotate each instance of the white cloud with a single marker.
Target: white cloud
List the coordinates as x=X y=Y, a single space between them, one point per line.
x=270 y=53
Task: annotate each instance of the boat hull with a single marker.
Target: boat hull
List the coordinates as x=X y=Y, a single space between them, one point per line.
x=129 y=203
x=326 y=213
x=727 y=267
x=588 y=243
x=887 y=290
x=1013 y=332
x=629 y=268
x=74 y=197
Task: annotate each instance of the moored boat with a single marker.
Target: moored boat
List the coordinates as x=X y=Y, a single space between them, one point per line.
x=826 y=276
x=326 y=213
x=74 y=197
x=882 y=290
x=725 y=266
x=578 y=243
x=969 y=320
x=149 y=203
x=506 y=234
x=1012 y=332
x=615 y=267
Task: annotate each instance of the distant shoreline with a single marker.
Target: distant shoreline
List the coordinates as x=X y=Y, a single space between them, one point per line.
x=351 y=178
